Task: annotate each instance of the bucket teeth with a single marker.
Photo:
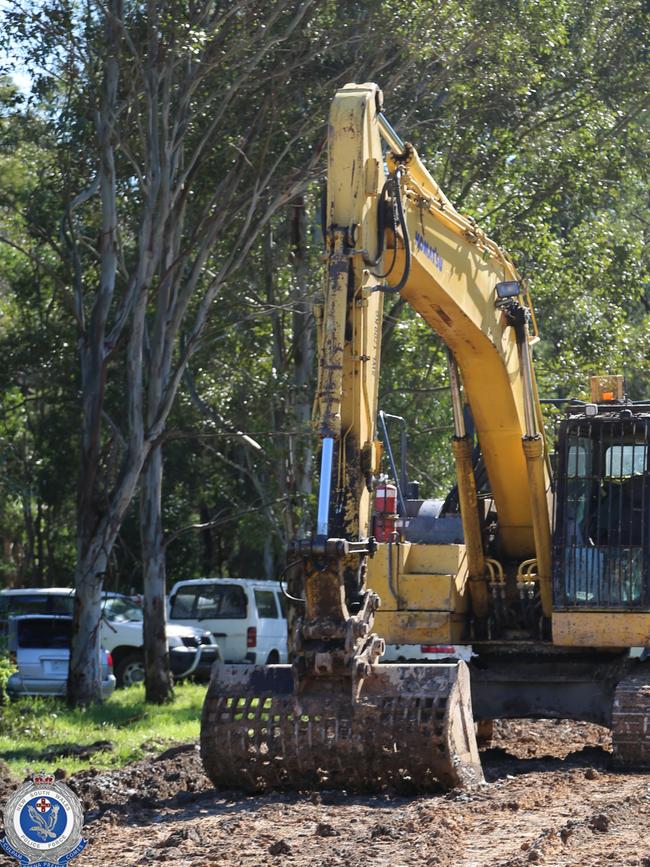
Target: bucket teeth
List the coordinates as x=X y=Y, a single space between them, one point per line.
x=256 y=735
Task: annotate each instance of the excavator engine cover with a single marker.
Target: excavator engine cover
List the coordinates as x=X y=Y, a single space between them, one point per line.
x=409 y=726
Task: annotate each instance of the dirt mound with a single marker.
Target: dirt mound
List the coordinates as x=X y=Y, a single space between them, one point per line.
x=526 y=738
x=551 y=799
x=145 y=784
x=8 y=782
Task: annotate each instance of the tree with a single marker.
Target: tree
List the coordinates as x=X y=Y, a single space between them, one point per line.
x=186 y=157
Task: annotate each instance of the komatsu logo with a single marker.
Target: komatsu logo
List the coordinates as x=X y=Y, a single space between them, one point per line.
x=430 y=252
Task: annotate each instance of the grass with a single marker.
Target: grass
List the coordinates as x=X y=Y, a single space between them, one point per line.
x=32 y=727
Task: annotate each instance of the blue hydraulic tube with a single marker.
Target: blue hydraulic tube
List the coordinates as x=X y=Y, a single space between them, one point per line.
x=325 y=487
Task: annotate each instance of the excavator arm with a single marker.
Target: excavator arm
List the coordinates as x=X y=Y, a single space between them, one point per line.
x=448 y=271
x=337 y=716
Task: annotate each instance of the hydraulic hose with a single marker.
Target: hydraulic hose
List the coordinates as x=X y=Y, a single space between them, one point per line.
x=401 y=219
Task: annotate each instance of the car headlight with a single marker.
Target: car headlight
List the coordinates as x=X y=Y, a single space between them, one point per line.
x=174 y=641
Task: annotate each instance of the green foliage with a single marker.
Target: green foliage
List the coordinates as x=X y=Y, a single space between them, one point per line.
x=6 y=670
x=31 y=726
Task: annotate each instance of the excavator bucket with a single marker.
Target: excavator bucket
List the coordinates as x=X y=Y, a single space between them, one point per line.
x=410 y=726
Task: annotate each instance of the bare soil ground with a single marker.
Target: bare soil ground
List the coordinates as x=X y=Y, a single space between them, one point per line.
x=551 y=798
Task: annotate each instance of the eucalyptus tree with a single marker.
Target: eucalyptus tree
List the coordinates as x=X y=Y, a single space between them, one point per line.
x=183 y=128
x=170 y=107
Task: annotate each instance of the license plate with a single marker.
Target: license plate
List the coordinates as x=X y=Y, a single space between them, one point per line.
x=55 y=666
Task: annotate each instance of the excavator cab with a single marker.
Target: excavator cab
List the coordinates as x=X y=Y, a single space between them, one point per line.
x=602 y=527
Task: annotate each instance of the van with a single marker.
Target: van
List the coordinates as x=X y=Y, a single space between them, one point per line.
x=246 y=617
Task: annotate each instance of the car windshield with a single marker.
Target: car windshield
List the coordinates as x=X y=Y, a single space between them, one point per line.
x=209 y=601
x=121 y=610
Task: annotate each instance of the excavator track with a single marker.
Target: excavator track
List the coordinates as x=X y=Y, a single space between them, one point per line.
x=631 y=719
x=410 y=727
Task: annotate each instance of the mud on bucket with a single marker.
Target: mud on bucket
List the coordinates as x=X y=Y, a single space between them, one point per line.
x=411 y=727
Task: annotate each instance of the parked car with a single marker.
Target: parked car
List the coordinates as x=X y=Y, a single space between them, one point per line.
x=246 y=617
x=40 y=646
x=191 y=651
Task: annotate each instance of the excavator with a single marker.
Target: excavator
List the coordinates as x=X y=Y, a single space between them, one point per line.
x=545 y=574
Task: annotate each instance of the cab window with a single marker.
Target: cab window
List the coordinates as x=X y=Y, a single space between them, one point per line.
x=122 y=610
x=624 y=461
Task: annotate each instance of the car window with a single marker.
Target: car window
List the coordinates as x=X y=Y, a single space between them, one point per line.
x=183 y=605
x=122 y=610
x=206 y=606
x=39 y=603
x=283 y=605
x=265 y=601
x=216 y=601
x=44 y=633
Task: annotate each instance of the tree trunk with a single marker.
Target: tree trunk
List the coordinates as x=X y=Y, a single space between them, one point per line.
x=84 y=677
x=95 y=535
x=158 y=680
x=207 y=549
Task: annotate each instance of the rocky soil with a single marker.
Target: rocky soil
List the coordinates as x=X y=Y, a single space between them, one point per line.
x=550 y=798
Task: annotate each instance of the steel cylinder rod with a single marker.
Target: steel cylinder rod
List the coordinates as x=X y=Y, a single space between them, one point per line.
x=325 y=490
x=468 y=498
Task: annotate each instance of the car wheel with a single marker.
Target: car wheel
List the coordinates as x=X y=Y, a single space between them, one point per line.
x=130 y=670
x=273 y=658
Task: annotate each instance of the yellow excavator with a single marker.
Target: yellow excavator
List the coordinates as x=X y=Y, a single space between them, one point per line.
x=547 y=579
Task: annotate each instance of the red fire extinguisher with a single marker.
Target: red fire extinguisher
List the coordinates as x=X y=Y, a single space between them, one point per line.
x=385 y=511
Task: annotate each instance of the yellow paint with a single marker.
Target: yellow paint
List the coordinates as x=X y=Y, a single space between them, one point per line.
x=419 y=627
x=601 y=629
x=460 y=309
x=534 y=454
x=436 y=558
x=467 y=496
x=379 y=575
x=423 y=577
x=433 y=592
x=454 y=270
x=451 y=284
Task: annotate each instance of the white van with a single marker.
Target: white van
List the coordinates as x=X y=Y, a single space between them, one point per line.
x=246 y=617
